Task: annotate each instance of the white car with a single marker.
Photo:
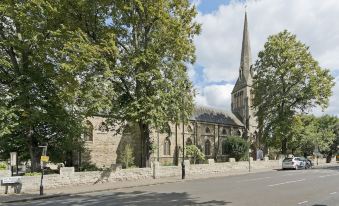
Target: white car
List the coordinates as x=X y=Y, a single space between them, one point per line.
x=293 y=163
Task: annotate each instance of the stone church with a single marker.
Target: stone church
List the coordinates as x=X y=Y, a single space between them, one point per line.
x=207 y=128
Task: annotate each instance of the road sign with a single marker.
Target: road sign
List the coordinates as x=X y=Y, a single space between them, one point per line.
x=11 y=180
x=44 y=158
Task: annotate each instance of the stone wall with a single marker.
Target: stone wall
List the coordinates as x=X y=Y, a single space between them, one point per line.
x=70 y=178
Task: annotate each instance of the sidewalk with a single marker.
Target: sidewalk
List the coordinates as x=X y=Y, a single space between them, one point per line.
x=81 y=189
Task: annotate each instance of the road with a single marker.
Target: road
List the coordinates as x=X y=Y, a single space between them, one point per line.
x=317 y=187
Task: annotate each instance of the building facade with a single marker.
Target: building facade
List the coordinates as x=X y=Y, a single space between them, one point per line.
x=207 y=128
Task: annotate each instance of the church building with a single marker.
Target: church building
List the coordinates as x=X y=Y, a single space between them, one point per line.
x=207 y=128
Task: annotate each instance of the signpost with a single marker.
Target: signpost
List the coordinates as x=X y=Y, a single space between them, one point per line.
x=249 y=160
x=44 y=159
x=12 y=181
x=14 y=158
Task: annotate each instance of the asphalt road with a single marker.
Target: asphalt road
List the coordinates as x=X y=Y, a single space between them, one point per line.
x=318 y=187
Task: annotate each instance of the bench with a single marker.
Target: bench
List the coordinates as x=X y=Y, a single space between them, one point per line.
x=13 y=182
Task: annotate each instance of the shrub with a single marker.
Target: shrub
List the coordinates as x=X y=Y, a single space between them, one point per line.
x=32 y=174
x=195 y=153
x=236 y=147
x=127 y=157
x=3 y=166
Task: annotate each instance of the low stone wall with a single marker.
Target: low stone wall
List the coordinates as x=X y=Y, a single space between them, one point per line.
x=31 y=183
x=68 y=177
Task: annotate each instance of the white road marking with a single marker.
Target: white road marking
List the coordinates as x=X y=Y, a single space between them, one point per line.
x=288 y=175
x=300 y=203
x=333 y=193
x=255 y=179
x=288 y=182
x=330 y=175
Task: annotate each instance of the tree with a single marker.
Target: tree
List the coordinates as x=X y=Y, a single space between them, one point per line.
x=287 y=81
x=326 y=136
x=155 y=43
x=303 y=135
x=127 y=157
x=235 y=147
x=53 y=71
x=195 y=153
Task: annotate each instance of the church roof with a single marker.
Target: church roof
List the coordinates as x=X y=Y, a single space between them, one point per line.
x=211 y=115
x=245 y=74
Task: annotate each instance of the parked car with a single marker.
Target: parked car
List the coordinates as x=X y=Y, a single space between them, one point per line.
x=308 y=163
x=294 y=163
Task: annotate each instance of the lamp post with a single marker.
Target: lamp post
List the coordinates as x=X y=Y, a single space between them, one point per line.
x=43 y=154
x=249 y=160
x=183 y=153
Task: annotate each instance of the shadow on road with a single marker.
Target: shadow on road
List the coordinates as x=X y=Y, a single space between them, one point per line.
x=130 y=198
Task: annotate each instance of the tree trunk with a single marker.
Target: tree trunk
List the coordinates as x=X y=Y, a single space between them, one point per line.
x=145 y=144
x=329 y=157
x=284 y=146
x=33 y=151
x=35 y=158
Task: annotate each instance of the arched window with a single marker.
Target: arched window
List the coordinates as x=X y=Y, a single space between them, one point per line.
x=208 y=130
x=224 y=131
x=255 y=135
x=88 y=133
x=207 y=147
x=189 y=128
x=103 y=127
x=167 y=147
x=239 y=133
x=189 y=141
x=223 y=148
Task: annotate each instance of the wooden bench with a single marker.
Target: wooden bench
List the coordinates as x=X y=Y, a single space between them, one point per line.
x=13 y=182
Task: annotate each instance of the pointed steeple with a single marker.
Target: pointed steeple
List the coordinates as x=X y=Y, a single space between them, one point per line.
x=246 y=57
x=245 y=73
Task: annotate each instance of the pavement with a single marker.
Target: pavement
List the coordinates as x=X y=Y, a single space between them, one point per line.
x=262 y=187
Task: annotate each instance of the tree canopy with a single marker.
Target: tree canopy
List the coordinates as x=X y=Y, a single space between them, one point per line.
x=52 y=71
x=155 y=43
x=287 y=81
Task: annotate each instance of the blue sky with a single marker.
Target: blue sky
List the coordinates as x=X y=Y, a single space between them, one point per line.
x=218 y=47
x=208 y=6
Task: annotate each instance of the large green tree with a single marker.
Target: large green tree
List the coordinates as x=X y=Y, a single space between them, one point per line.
x=53 y=72
x=287 y=81
x=155 y=43
x=310 y=133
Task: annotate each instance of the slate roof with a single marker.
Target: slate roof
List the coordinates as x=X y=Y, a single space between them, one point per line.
x=211 y=115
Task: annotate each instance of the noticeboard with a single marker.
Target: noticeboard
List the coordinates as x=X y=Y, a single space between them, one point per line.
x=44 y=158
x=13 y=158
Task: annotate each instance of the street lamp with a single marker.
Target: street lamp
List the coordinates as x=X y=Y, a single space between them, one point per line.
x=43 y=159
x=249 y=160
x=183 y=153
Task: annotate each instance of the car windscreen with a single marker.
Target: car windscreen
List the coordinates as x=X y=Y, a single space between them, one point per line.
x=287 y=160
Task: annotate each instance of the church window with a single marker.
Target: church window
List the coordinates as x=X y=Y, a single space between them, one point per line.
x=239 y=133
x=223 y=149
x=207 y=147
x=189 y=128
x=167 y=147
x=88 y=131
x=189 y=141
x=224 y=131
x=103 y=127
x=208 y=130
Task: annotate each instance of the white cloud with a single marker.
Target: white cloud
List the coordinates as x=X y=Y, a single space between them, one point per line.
x=218 y=47
x=333 y=104
x=217 y=96
x=196 y=2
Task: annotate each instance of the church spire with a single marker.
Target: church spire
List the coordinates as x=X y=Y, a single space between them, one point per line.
x=246 y=58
